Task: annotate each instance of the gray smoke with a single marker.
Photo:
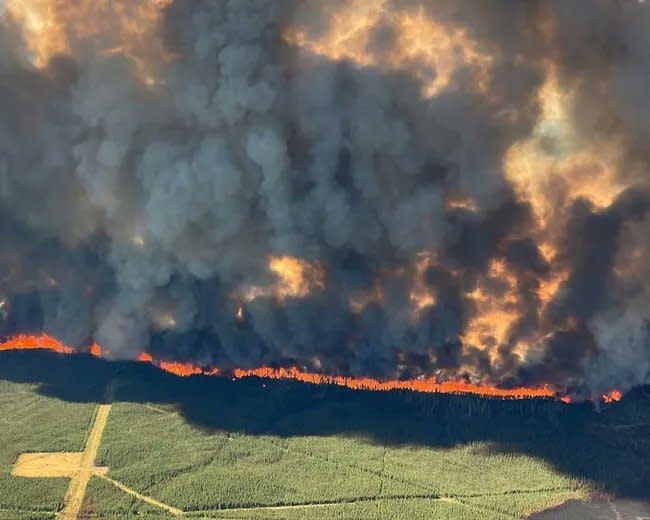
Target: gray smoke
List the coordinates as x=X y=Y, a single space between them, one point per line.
x=136 y=213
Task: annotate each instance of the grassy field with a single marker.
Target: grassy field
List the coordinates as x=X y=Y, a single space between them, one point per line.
x=30 y=422
x=253 y=450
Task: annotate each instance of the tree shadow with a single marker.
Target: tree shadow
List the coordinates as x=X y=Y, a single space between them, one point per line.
x=610 y=447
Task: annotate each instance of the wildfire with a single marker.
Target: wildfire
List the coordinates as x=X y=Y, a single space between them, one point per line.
x=96 y=350
x=496 y=312
x=430 y=50
x=144 y=357
x=613 y=396
x=427 y=385
x=421 y=296
x=555 y=166
x=179 y=369
x=241 y=315
x=461 y=202
x=422 y=385
x=56 y=27
x=41 y=342
x=296 y=278
x=362 y=299
x=176 y=368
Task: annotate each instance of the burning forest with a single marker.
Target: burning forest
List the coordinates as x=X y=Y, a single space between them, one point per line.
x=435 y=195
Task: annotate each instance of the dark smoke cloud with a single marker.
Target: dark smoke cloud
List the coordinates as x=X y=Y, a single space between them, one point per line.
x=134 y=214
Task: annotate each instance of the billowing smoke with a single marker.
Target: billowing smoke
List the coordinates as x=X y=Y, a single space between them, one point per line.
x=391 y=188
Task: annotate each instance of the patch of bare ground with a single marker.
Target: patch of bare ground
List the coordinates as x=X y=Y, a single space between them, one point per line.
x=78 y=466
x=52 y=465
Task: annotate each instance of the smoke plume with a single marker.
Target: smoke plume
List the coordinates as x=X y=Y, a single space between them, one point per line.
x=387 y=188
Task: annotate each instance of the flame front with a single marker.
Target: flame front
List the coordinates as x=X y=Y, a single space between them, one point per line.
x=421 y=385
x=419 y=190
x=42 y=342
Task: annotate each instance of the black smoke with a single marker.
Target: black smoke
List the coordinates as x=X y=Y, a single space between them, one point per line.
x=137 y=213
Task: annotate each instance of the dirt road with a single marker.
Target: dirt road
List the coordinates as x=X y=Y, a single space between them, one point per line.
x=77 y=489
x=151 y=501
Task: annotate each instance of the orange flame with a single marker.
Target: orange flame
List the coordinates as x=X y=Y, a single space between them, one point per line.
x=421 y=296
x=556 y=155
x=430 y=50
x=613 y=396
x=39 y=342
x=145 y=358
x=428 y=385
x=296 y=278
x=96 y=350
x=180 y=369
x=60 y=27
x=423 y=385
x=497 y=313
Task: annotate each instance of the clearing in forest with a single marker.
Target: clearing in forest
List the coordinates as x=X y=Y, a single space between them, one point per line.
x=52 y=465
x=77 y=466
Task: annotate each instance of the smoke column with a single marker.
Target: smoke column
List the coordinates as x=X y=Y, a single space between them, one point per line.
x=383 y=188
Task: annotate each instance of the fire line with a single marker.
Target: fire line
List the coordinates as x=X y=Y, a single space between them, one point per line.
x=425 y=385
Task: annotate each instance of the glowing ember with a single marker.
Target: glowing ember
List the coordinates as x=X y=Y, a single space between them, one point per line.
x=423 y=385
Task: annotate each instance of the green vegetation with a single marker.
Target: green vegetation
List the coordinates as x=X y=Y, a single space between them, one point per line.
x=106 y=502
x=30 y=422
x=217 y=449
x=16 y=515
x=232 y=475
